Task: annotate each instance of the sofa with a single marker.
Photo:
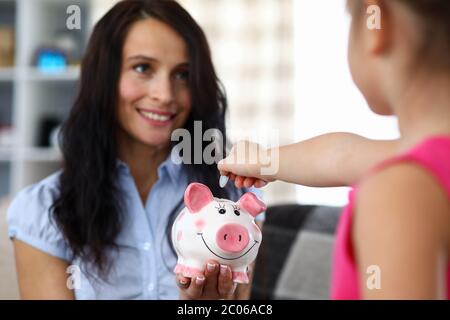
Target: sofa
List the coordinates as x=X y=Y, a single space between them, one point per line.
x=294 y=260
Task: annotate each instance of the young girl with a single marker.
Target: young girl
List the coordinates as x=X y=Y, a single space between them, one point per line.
x=393 y=239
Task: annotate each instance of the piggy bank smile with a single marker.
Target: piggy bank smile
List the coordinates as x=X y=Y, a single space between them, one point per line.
x=225 y=258
x=209 y=228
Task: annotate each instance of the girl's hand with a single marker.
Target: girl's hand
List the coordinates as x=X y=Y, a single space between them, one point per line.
x=244 y=163
x=216 y=283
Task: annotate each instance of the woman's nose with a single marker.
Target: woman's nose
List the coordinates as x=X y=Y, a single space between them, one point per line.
x=161 y=89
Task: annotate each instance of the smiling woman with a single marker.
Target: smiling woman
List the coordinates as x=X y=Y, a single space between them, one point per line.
x=147 y=71
x=154 y=88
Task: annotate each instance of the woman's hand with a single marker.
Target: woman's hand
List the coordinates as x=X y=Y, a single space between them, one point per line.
x=216 y=283
x=244 y=165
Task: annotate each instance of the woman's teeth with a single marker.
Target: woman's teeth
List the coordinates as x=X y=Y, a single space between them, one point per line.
x=155 y=116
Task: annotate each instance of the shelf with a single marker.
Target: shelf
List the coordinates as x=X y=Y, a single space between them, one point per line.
x=7 y=74
x=32 y=154
x=6 y=154
x=68 y=74
x=31 y=99
x=35 y=154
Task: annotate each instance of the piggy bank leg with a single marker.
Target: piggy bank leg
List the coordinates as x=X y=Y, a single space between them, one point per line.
x=239 y=275
x=189 y=268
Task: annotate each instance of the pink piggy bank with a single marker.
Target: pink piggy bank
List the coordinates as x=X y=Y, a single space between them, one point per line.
x=209 y=228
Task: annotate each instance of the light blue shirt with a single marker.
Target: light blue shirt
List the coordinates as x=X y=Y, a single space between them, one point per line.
x=142 y=267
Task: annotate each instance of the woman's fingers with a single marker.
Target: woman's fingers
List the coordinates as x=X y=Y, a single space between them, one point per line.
x=194 y=290
x=216 y=283
x=226 y=286
x=183 y=282
x=211 y=273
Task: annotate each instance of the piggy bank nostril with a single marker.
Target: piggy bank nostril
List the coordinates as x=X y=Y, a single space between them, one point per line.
x=232 y=238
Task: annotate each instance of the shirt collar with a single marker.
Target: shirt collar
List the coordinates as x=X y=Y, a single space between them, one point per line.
x=172 y=166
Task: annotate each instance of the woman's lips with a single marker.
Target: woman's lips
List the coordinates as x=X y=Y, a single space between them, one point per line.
x=156 y=117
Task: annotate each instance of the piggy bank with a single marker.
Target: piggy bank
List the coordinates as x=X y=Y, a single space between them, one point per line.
x=209 y=228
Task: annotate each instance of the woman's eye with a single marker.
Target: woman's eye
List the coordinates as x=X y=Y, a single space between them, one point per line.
x=236 y=212
x=141 y=68
x=222 y=211
x=182 y=75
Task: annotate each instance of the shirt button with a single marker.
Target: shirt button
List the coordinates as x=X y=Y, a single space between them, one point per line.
x=147 y=246
x=151 y=287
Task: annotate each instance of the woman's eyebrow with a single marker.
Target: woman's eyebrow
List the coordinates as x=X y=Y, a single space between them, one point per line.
x=183 y=65
x=151 y=59
x=142 y=57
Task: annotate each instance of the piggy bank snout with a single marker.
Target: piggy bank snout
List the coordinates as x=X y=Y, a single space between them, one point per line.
x=232 y=238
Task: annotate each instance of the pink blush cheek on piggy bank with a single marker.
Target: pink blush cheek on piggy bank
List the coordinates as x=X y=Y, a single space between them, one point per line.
x=209 y=228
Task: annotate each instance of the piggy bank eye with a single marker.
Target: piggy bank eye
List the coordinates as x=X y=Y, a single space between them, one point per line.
x=236 y=212
x=222 y=211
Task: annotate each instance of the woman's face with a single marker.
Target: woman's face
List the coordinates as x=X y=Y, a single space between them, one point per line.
x=154 y=97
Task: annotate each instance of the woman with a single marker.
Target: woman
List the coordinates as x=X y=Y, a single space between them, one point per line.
x=105 y=217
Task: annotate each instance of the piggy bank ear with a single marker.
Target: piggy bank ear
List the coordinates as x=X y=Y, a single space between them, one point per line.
x=250 y=203
x=197 y=196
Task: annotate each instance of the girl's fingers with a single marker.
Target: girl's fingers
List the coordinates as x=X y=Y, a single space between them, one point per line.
x=226 y=286
x=239 y=181
x=248 y=182
x=232 y=176
x=260 y=183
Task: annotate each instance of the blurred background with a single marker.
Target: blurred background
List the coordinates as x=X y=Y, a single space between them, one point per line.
x=283 y=64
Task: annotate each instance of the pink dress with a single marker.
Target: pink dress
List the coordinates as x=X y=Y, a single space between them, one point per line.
x=433 y=155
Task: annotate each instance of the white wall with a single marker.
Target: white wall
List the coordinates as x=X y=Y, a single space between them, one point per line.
x=326 y=98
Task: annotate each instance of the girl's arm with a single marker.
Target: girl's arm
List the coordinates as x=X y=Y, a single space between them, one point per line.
x=401 y=235
x=40 y=275
x=334 y=159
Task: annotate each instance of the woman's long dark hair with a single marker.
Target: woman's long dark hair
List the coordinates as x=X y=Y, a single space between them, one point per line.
x=88 y=209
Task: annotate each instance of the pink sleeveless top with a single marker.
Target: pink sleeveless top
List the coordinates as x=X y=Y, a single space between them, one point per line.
x=433 y=155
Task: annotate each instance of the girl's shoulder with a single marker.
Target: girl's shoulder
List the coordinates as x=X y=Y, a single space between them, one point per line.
x=401 y=214
x=418 y=179
x=428 y=158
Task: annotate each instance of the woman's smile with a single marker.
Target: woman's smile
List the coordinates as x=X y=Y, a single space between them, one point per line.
x=156 y=117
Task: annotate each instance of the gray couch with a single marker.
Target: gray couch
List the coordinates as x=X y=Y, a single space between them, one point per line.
x=295 y=255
